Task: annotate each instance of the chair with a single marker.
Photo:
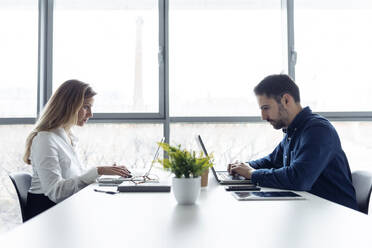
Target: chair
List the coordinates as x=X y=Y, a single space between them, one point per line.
x=22 y=183
x=362 y=182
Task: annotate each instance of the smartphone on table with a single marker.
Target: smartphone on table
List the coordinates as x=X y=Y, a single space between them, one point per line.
x=242 y=188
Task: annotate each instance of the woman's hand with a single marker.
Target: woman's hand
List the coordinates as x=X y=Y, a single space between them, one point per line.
x=120 y=170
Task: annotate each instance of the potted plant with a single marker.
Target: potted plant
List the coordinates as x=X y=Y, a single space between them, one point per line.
x=187 y=168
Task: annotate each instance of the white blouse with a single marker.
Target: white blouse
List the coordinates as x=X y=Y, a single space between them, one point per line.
x=56 y=168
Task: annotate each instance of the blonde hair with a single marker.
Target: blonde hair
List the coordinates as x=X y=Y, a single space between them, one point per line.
x=61 y=110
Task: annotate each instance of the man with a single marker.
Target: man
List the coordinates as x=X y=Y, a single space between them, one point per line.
x=309 y=158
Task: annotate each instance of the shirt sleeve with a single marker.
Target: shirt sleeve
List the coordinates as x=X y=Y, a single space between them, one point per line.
x=45 y=160
x=307 y=162
x=273 y=160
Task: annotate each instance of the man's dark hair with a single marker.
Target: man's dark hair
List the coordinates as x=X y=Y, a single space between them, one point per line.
x=275 y=86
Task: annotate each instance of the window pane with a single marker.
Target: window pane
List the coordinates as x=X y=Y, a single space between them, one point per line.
x=133 y=145
x=18 y=58
x=228 y=142
x=333 y=40
x=112 y=45
x=356 y=141
x=13 y=138
x=218 y=52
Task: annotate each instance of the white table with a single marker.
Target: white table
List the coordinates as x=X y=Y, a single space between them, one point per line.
x=91 y=219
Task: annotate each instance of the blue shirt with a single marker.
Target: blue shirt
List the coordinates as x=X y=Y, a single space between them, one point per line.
x=309 y=158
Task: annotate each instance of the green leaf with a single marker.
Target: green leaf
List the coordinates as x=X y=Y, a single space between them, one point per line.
x=184 y=163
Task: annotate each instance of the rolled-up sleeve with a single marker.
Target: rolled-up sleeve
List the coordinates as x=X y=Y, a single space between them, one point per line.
x=46 y=162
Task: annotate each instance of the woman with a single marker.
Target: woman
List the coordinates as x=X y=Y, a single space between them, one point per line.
x=50 y=149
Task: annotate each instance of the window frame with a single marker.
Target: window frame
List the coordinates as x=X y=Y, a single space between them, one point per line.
x=45 y=65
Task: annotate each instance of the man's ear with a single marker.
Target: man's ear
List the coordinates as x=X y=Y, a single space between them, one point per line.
x=286 y=98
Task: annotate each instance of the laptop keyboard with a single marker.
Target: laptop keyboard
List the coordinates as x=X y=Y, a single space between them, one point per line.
x=227 y=176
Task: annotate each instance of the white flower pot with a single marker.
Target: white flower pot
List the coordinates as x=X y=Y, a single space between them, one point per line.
x=186 y=190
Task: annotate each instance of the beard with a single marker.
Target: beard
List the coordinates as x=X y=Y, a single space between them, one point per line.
x=282 y=119
x=278 y=124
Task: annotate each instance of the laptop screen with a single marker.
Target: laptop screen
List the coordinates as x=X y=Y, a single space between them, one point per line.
x=155 y=157
x=237 y=179
x=201 y=144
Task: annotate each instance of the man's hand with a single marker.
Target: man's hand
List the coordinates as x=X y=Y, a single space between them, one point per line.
x=114 y=170
x=241 y=169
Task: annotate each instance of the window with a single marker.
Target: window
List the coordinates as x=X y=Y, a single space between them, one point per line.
x=112 y=45
x=356 y=139
x=218 y=52
x=333 y=41
x=19 y=58
x=228 y=141
x=133 y=145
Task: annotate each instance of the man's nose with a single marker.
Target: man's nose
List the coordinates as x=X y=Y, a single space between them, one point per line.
x=263 y=116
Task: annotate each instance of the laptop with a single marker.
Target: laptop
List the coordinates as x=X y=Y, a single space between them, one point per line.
x=223 y=177
x=116 y=180
x=155 y=158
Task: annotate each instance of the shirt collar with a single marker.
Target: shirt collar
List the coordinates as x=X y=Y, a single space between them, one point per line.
x=60 y=131
x=297 y=121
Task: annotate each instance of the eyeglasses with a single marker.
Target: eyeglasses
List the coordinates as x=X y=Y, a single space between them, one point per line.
x=144 y=179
